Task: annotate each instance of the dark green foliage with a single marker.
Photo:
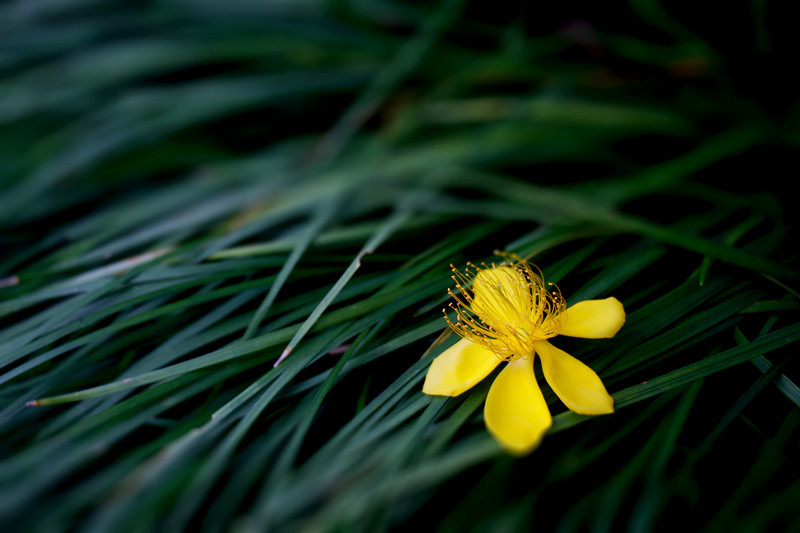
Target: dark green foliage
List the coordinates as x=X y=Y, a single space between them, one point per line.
x=191 y=190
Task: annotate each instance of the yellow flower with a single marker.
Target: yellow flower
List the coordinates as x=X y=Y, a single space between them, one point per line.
x=508 y=315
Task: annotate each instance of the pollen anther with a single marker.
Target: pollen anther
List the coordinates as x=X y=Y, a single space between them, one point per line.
x=506 y=307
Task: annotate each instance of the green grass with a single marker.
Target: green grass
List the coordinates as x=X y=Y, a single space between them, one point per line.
x=192 y=192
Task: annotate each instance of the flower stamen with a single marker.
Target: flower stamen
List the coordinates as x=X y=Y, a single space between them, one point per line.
x=505 y=307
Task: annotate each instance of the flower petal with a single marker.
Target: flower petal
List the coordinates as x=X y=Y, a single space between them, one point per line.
x=578 y=386
x=515 y=412
x=458 y=368
x=501 y=295
x=593 y=319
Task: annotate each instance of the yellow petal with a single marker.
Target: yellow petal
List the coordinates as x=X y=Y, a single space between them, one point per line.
x=593 y=319
x=458 y=368
x=501 y=295
x=515 y=412
x=575 y=383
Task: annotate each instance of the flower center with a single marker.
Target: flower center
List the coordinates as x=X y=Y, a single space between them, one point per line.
x=505 y=307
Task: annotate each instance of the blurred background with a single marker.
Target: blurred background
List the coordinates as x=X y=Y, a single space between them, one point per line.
x=191 y=190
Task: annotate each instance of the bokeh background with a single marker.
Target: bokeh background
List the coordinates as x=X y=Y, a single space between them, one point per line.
x=191 y=190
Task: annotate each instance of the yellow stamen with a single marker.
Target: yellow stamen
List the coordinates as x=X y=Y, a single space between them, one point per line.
x=505 y=307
